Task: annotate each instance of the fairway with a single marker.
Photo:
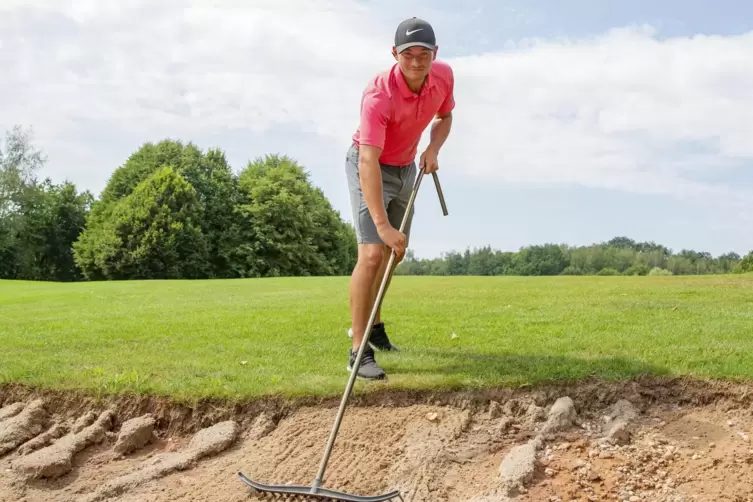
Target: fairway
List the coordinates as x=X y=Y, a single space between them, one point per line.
x=287 y=336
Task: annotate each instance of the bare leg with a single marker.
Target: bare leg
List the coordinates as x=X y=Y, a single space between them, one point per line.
x=362 y=292
x=378 y=280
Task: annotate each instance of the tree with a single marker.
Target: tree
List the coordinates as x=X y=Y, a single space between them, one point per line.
x=19 y=163
x=482 y=262
x=51 y=217
x=622 y=242
x=152 y=233
x=637 y=269
x=457 y=263
x=39 y=221
x=620 y=255
x=174 y=211
x=745 y=265
x=548 y=259
x=210 y=176
x=289 y=227
x=726 y=262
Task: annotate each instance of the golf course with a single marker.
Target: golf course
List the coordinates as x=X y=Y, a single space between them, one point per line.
x=542 y=228
x=100 y=379
x=183 y=336
x=253 y=338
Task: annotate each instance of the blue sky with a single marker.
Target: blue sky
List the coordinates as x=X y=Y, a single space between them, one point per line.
x=576 y=121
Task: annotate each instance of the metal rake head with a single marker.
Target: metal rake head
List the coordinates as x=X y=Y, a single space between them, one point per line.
x=299 y=493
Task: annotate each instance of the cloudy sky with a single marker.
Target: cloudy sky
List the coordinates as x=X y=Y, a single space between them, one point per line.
x=576 y=120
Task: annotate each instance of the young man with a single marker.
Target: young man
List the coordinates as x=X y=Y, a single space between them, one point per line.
x=396 y=107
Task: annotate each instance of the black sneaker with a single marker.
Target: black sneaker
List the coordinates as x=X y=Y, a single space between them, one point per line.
x=378 y=338
x=369 y=369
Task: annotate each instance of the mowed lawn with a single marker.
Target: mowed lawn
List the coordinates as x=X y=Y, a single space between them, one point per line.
x=189 y=339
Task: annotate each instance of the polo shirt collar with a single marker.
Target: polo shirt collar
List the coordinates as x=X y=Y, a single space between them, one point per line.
x=403 y=86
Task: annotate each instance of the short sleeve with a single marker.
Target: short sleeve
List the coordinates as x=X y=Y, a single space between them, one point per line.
x=375 y=113
x=449 y=102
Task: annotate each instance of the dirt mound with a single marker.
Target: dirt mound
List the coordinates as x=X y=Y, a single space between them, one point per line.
x=22 y=426
x=637 y=441
x=207 y=442
x=56 y=459
x=134 y=434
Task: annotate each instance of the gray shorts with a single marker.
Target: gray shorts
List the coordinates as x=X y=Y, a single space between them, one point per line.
x=397 y=182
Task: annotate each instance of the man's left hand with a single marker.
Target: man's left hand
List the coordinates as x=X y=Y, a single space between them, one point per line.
x=429 y=161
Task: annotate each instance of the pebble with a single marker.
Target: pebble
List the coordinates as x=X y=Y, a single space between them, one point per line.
x=578 y=464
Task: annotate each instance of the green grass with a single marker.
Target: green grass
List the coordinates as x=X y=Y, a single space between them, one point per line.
x=187 y=338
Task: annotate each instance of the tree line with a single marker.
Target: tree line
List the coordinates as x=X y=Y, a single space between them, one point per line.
x=170 y=211
x=618 y=256
x=173 y=211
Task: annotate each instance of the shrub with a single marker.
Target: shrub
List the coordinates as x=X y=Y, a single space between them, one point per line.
x=638 y=269
x=660 y=271
x=572 y=270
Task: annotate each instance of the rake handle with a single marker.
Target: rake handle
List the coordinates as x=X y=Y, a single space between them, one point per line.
x=365 y=340
x=440 y=194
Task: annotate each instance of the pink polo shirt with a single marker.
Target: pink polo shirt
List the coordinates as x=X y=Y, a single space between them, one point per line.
x=393 y=117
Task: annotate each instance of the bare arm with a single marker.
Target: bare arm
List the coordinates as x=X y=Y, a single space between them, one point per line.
x=440 y=129
x=371 y=183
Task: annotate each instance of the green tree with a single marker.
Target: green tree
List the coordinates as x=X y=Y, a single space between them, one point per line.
x=288 y=226
x=637 y=269
x=457 y=263
x=726 y=263
x=622 y=243
x=210 y=176
x=51 y=217
x=19 y=163
x=411 y=265
x=154 y=232
x=482 y=262
x=745 y=265
x=620 y=255
x=39 y=221
x=608 y=271
x=548 y=259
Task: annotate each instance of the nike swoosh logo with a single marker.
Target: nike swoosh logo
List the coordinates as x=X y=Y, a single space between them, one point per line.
x=409 y=33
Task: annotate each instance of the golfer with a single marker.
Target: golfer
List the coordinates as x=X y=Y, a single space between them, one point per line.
x=396 y=107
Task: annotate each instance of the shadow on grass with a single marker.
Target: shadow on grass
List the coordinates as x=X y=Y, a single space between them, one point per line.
x=485 y=369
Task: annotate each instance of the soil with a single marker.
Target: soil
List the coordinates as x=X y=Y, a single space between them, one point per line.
x=643 y=440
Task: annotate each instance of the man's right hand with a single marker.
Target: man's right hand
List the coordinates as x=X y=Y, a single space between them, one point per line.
x=393 y=238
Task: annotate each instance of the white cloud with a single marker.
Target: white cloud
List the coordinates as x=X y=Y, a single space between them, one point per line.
x=623 y=110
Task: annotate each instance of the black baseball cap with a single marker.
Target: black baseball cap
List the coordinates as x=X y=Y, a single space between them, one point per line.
x=414 y=32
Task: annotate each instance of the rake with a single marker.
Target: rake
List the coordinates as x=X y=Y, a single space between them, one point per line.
x=315 y=492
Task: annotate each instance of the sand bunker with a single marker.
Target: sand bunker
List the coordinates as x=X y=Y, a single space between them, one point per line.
x=207 y=442
x=626 y=443
x=56 y=460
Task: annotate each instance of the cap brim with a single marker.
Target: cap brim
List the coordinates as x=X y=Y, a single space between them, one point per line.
x=401 y=48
